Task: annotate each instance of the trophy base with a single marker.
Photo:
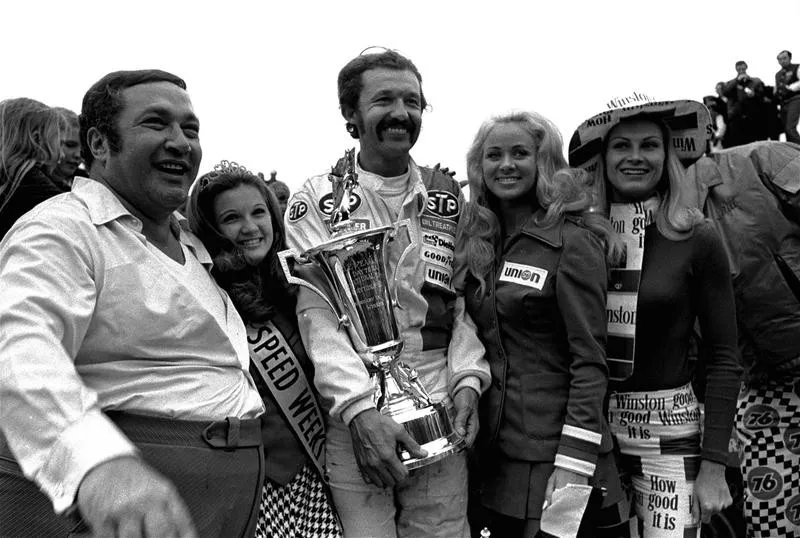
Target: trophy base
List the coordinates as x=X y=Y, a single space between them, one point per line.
x=432 y=428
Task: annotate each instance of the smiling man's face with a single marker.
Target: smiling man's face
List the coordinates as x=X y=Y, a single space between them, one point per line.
x=159 y=152
x=389 y=118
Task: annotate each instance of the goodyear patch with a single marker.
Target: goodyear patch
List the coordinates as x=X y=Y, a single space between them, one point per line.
x=525 y=275
x=297 y=211
x=443 y=204
x=436 y=256
x=326 y=203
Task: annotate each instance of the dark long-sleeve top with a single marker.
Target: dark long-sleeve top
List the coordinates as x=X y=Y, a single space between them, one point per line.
x=34 y=188
x=682 y=281
x=543 y=323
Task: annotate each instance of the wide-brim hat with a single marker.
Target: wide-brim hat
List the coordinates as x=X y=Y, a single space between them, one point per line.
x=688 y=121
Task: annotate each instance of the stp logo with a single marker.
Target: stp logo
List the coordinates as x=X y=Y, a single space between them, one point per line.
x=326 y=203
x=297 y=211
x=443 y=203
x=764 y=482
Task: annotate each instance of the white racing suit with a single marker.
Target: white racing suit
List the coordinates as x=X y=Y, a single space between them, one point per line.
x=440 y=343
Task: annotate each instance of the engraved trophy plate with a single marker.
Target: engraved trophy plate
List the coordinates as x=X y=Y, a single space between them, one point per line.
x=355 y=265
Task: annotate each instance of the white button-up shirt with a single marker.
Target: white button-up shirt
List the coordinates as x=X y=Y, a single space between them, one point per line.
x=90 y=319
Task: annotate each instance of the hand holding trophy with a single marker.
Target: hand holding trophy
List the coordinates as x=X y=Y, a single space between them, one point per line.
x=355 y=266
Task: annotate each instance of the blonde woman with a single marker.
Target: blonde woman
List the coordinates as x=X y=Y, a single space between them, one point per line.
x=30 y=146
x=536 y=285
x=674 y=273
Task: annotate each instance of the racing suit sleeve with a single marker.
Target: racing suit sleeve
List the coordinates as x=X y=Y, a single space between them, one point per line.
x=341 y=376
x=466 y=357
x=581 y=294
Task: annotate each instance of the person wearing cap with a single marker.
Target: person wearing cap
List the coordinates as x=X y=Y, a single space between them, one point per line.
x=382 y=102
x=125 y=398
x=674 y=271
x=751 y=194
x=535 y=285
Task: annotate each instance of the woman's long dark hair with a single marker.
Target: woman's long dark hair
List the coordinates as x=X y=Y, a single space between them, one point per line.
x=258 y=292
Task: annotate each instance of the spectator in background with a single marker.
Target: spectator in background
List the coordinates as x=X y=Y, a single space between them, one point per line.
x=279 y=189
x=787 y=92
x=30 y=146
x=716 y=106
x=745 y=108
x=70 y=158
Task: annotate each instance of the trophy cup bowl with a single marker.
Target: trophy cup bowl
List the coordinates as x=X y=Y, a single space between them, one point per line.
x=354 y=267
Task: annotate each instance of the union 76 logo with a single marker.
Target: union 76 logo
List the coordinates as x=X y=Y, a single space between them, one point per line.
x=764 y=483
x=760 y=416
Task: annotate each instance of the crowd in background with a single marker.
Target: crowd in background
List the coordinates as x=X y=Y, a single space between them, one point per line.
x=745 y=109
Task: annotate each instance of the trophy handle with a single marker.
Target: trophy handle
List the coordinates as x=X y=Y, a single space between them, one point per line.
x=412 y=244
x=291 y=254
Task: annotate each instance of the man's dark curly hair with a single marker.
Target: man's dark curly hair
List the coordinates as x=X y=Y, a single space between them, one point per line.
x=349 y=81
x=257 y=292
x=103 y=104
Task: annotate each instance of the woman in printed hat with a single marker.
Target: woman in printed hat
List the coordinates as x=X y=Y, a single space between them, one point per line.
x=536 y=287
x=238 y=219
x=674 y=273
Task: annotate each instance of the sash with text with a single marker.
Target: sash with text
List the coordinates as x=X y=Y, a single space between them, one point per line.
x=278 y=367
x=629 y=221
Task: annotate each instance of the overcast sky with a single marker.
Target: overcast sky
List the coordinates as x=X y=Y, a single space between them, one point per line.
x=262 y=75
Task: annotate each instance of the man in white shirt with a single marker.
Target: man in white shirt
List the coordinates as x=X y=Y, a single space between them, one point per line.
x=125 y=395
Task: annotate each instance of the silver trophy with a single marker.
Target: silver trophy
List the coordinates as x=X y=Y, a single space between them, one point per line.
x=354 y=266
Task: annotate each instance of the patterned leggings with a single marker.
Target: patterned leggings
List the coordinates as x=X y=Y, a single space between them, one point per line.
x=658 y=434
x=768 y=425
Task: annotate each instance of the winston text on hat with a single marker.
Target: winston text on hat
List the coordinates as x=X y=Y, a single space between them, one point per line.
x=635 y=98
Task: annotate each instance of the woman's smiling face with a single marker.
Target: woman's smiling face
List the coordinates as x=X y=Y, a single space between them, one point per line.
x=509 y=161
x=634 y=158
x=242 y=216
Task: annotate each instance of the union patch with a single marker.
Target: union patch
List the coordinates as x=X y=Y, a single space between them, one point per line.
x=525 y=275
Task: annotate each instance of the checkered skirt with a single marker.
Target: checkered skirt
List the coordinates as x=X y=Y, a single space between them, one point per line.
x=301 y=508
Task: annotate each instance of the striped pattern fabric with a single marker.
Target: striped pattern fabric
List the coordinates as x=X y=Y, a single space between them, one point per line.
x=658 y=433
x=575 y=444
